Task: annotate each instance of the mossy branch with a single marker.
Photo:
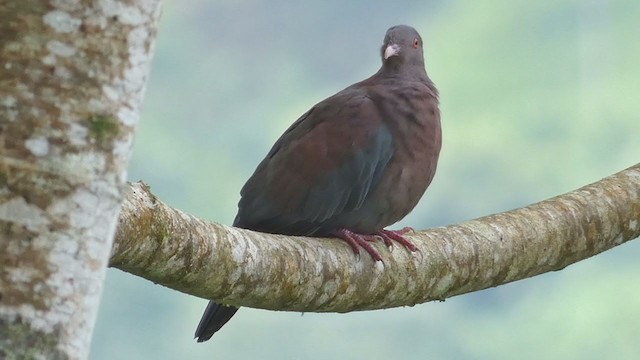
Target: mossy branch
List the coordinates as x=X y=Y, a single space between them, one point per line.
x=246 y=268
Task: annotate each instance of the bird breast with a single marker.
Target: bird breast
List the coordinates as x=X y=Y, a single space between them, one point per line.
x=411 y=113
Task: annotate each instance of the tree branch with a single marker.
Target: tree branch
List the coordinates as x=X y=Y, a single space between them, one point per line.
x=246 y=268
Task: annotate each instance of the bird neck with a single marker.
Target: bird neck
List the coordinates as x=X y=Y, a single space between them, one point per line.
x=402 y=71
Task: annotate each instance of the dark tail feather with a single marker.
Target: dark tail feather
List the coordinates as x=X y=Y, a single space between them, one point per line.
x=214 y=317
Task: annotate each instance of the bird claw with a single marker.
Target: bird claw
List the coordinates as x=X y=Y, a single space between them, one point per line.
x=357 y=241
x=388 y=236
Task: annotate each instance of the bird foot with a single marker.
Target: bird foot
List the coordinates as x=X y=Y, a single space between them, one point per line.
x=389 y=236
x=357 y=241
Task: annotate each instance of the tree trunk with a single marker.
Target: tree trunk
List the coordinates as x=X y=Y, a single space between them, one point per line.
x=72 y=77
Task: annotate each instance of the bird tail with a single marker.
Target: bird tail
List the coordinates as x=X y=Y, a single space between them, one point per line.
x=214 y=317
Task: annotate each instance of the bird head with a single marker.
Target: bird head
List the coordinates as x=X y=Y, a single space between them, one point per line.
x=402 y=46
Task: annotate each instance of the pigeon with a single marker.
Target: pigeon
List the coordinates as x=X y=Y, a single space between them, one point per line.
x=353 y=164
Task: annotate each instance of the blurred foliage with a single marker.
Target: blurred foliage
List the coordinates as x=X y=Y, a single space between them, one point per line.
x=538 y=98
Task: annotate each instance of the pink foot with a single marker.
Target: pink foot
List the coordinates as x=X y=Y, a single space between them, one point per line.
x=388 y=236
x=357 y=241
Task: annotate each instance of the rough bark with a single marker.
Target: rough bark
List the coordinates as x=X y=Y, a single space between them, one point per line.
x=245 y=268
x=72 y=76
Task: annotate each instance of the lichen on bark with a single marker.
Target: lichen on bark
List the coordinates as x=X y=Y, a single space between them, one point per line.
x=72 y=77
x=245 y=268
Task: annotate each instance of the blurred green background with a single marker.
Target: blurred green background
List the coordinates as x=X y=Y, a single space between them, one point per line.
x=537 y=98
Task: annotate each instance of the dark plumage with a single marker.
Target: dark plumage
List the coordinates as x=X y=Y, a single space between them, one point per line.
x=356 y=162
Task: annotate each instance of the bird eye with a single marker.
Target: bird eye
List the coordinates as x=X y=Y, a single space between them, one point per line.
x=416 y=43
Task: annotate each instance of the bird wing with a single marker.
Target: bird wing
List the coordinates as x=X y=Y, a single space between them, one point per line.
x=325 y=164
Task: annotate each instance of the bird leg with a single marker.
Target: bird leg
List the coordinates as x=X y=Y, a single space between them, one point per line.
x=388 y=236
x=357 y=241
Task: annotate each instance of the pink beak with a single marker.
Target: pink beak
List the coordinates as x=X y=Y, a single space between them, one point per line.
x=391 y=50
